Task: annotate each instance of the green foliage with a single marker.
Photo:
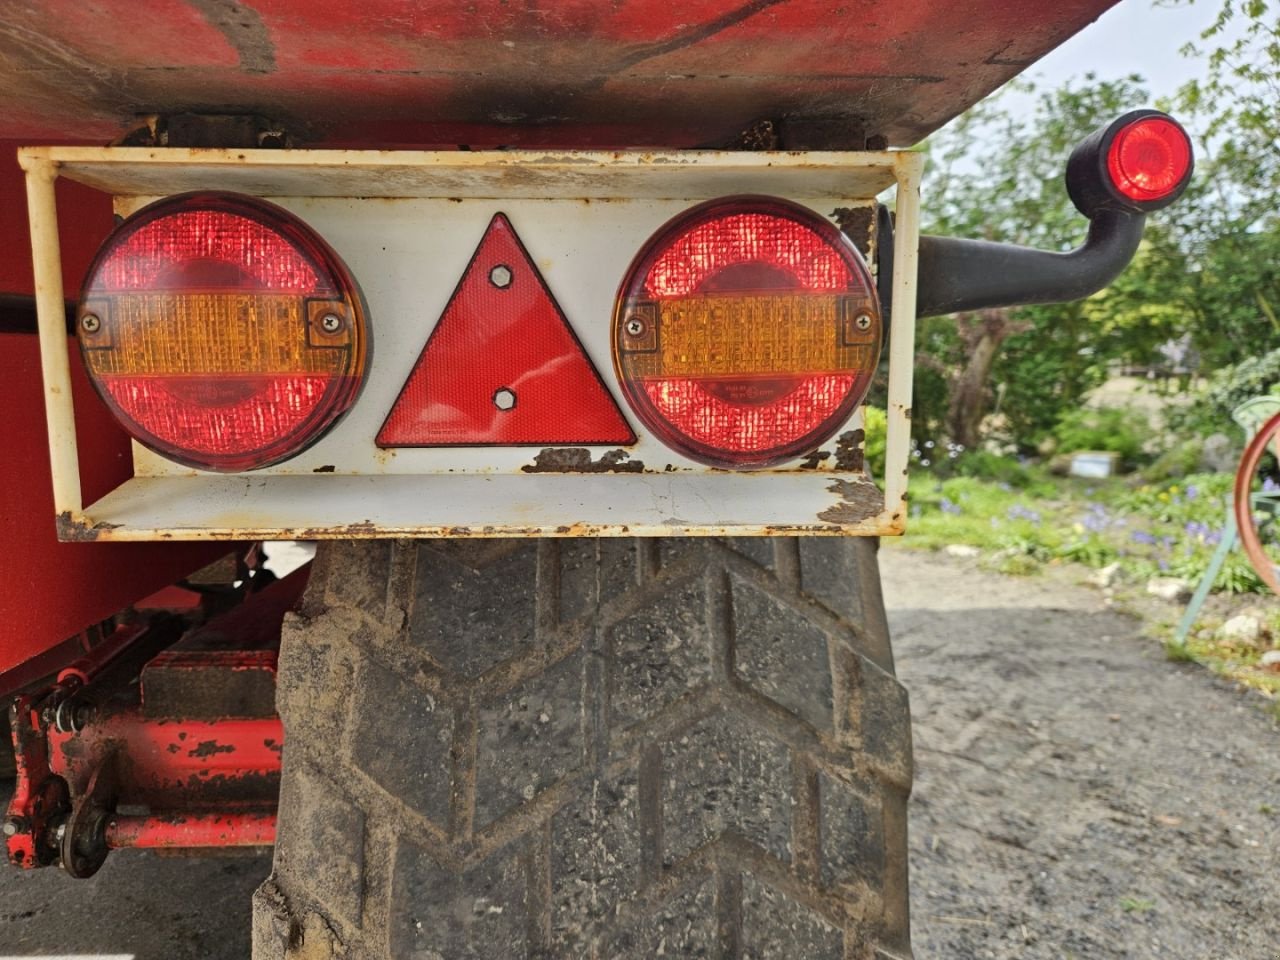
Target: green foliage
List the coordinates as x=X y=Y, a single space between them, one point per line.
x=1167 y=529
x=1231 y=227
x=1136 y=904
x=991 y=466
x=1180 y=459
x=1207 y=273
x=1015 y=564
x=1000 y=177
x=1112 y=429
x=1091 y=550
x=876 y=428
x=1047 y=370
x=1210 y=411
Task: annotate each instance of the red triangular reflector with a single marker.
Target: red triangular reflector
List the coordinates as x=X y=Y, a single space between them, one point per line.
x=503 y=366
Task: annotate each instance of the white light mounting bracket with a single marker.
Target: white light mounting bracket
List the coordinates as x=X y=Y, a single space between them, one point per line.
x=406 y=223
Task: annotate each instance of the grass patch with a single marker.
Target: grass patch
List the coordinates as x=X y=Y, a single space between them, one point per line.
x=1034 y=519
x=1137 y=904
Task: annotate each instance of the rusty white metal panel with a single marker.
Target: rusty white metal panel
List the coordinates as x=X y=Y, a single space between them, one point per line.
x=407 y=224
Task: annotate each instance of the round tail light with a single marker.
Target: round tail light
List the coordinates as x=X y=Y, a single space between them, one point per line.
x=746 y=332
x=222 y=332
x=1140 y=162
x=1149 y=159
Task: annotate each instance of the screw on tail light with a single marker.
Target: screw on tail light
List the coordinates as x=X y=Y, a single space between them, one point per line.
x=1141 y=162
x=746 y=332
x=222 y=332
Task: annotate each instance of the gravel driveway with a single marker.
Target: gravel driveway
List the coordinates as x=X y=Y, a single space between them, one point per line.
x=1077 y=796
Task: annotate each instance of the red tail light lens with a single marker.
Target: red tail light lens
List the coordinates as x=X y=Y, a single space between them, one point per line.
x=746 y=332
x=1149 y=159
x=222 y=332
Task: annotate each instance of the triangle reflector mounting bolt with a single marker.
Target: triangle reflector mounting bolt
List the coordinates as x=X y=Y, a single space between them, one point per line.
x=503 y=367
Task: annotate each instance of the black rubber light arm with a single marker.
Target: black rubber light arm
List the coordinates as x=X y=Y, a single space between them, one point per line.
x=956 y=274
x=960 y=275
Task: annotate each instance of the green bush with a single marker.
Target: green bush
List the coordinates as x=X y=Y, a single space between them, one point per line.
x=1177 y=462
x=1210 y=410
x=1113 y=429
x=876 y=434
x=992 y=466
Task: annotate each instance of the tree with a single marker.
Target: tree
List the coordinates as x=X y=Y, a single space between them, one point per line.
x=1208 y=270
x=1232 y=230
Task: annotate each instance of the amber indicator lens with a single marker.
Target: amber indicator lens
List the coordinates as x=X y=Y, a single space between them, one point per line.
x=1149 y=159
x=746 y=332
x=222 y=332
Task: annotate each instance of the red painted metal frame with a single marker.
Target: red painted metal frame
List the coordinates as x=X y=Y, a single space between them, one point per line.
x=55 y=590
x=38 y=796
x=491 y=72
x=185 y=832
x=148 y=742
x=175 y=764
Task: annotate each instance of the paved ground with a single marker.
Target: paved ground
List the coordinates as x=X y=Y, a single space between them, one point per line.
x=1077 y=796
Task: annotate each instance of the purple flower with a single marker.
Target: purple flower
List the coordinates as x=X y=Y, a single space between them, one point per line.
x=1270 y=486
x=948 y=506
x=1141 y=536
x=1192 y=491
x=1019 y=512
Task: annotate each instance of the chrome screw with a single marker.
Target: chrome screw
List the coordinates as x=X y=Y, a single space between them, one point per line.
x=500 y=276
x=331 y=323
x=12 y=826
x=90 y=323
x=504 y=399
x=862 y=321
x=635 y=327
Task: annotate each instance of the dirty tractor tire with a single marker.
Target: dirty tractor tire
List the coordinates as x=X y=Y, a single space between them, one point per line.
x=590 y=748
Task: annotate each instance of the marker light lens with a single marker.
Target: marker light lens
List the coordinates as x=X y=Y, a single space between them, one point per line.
x=222 y=332
x=746 y=332
x=1149 y=159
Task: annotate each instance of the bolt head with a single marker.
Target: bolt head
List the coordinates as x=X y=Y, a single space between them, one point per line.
x=500 y=276
x=331 y=323
x=635 y=327
x=504 y=399
x=90 y=323
x=12 y=826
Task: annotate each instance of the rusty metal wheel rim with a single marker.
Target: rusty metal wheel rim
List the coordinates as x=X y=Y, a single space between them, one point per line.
x=1242 y=503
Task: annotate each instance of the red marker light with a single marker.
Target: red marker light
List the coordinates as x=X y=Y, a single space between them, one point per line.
x=1149 y=159
x=746 y=332
x=221 y=331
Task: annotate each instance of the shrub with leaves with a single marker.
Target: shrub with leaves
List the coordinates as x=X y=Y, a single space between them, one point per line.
x=1210 y=411
x=1112 y=429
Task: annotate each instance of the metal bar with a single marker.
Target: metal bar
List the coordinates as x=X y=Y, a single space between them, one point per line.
x=1228 y=541
x=104 y=654
x=42 y=210
x=180 y=831
x=902 y=338
x=964 y=274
